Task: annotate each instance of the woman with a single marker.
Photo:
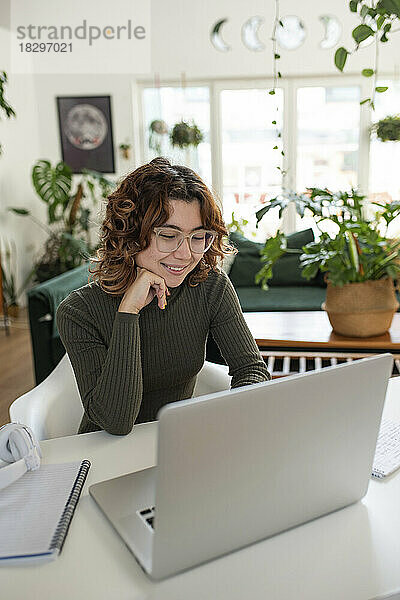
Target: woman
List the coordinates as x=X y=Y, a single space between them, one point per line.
x=136 y=335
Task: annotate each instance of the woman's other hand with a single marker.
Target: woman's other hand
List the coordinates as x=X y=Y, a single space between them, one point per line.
x=142 y=291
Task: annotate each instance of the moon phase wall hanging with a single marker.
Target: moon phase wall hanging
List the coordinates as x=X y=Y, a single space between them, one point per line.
x=290 y=34
x=86 y=133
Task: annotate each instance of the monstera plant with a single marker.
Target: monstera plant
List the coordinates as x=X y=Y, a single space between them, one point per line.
x=68 y=215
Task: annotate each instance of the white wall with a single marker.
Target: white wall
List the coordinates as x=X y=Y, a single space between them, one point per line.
x=180 y=34
x=180 y=43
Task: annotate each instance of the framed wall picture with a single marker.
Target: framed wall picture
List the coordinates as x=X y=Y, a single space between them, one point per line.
x=86 y=133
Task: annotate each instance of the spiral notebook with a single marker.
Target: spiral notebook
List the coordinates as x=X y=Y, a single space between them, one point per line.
x=36 y=512
x=387 y=454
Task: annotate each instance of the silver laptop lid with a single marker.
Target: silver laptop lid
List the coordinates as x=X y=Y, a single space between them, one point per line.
x=236 y=467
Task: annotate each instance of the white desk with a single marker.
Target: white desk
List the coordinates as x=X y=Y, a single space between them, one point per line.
x=351 y=554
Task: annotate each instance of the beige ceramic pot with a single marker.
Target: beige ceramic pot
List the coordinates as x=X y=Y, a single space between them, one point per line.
x=361 y=309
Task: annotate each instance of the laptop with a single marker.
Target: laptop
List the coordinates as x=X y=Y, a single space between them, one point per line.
x=238 y=466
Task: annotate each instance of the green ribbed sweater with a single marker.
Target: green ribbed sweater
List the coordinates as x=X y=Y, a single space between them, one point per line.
x=127 y=366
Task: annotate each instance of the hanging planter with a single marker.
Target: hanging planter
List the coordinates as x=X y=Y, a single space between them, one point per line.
x=185 y=135
x=157 y=130
x=388 y=129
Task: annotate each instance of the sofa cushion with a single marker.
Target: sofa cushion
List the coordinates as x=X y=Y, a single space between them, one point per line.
x=281 y=298
x=247 y=261
x=286 y=271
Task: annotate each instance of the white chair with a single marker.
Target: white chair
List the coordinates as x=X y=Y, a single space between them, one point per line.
x=54 y=408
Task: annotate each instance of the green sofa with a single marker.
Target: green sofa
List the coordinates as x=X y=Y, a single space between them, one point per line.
x=288 y=291
x=43 y=300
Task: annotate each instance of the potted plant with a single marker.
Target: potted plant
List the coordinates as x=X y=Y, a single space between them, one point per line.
x=158 y=129
x=360 y=261
x=184 y=135
x=8 y=267
x=388 y=129
x=125 y=150
x=68 y=243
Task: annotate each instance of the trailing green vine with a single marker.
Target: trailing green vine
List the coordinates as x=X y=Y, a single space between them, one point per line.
x=378 y=19
x=275 y=77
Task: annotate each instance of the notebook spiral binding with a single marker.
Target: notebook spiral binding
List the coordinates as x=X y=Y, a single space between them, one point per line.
x=68 y=512
x=378 y=473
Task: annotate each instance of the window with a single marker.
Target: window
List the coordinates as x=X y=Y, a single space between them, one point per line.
x=249 y=162
x=173 y=104
x=328 y=123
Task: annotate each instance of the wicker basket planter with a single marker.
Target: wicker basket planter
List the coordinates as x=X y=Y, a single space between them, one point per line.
x=361 y=309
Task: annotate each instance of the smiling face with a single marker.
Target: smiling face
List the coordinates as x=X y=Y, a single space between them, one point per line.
x=185 y=217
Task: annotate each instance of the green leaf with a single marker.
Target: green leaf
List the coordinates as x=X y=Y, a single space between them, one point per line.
x=381 y=89
x=367 y=72
x=275 y=148
x=392 y=7
x=364 y=11
x=84 y=219
x=19 y=211
x=53 y=185
x=384 y=38
x=361 y=33
x=273 y=122
x=274 y=248
x=380 y=21
x=353 y=5
x=279 y=74
x=311 y=270
x=353 y=252
x=277 y=56
x=340 y=58
x=271 y=92
x=366 y=100
x=260 y=213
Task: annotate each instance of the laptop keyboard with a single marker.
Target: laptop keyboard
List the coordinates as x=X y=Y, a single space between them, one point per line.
x=147 y=515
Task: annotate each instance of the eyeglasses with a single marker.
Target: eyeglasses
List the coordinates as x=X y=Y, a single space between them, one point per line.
x=169 y=240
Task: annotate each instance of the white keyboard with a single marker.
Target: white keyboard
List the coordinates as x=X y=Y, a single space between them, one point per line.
x=387 y=453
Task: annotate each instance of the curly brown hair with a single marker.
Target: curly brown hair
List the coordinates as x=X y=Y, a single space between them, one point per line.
x=140 y=203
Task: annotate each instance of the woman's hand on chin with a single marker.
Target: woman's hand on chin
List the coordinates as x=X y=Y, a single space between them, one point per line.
x=142 y=291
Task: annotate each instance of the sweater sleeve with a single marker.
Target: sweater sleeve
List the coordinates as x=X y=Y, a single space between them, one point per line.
x=109 y=379
x=232 y=335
